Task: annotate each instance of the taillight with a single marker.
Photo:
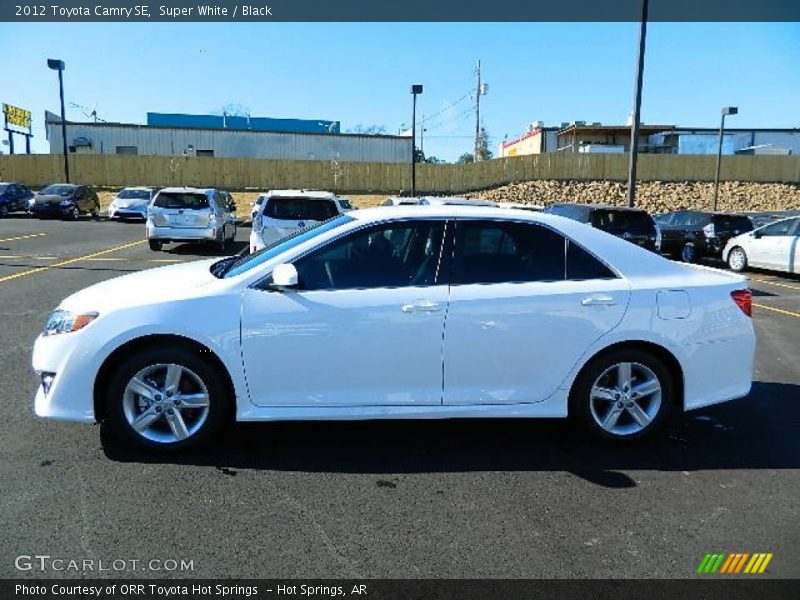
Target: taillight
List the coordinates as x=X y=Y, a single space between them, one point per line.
x=744 y=300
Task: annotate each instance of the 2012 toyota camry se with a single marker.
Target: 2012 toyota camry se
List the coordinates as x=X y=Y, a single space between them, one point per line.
x=403 y=312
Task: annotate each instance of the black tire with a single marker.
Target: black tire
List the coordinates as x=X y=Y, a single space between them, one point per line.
x=689 y=253
x=73 y=215
x=155 y=245
x=96 y=211
x=220 y=402
x=581 y=403
x=738 y=262
x=3 y=211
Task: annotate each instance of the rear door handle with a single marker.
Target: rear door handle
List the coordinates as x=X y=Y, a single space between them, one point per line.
x=598 y=301
x=420 y=306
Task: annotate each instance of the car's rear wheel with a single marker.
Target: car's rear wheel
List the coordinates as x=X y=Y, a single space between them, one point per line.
x=623 y=395
x=167 y=398
x=688 y=253
x=737 y=259
x=155 y=245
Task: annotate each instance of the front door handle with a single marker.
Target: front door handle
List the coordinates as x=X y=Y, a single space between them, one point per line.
x=598 y=301
x=420 y=306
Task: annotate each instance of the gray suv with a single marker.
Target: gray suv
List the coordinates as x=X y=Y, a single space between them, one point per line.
x=191 y=215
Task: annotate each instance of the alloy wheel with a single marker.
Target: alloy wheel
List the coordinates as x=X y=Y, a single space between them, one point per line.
x=625 y=398
x=737 y=259
x=166 y=403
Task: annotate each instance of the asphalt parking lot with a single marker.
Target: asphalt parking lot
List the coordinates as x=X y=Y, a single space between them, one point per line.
x=482 y=498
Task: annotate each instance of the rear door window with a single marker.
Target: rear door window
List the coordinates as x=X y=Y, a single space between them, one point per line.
x=299 y=209
x=181 y=200
x=581 y=265
x=780 y=228
x=497 y=252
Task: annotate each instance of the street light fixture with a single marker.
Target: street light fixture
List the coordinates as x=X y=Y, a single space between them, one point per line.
x=726 y=110
x=415 y=90
x=58 y=65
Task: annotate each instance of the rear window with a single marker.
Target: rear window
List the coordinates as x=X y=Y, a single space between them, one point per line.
x=732 y=223
x=187 y=201
x=134 y=194
x=630 y=221
x=300 y=209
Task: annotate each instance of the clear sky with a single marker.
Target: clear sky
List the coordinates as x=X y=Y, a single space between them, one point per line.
x=361 y=73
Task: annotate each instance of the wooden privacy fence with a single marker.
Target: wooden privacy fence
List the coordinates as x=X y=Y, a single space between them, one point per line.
x=358 y=177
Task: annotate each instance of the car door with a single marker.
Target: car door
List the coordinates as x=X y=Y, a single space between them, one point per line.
x=525 y=304
x=772 y=246
x=363 y=328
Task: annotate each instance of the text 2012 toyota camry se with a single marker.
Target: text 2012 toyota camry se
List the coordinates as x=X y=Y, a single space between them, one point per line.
x=403 y=312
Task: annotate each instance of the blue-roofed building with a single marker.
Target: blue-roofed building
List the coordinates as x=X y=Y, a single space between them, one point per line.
x=228 y=137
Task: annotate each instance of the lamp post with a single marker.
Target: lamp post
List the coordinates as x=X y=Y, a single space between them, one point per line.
x=637 y=104
x=415 y=90
x=58 y=65
x=726 y=110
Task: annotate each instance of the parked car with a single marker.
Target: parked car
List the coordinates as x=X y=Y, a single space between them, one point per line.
x=66 y=201
x=14 y=197
x=761 y=218
x=184 y=214
x=631 y=224
x=694 y=234
x=454 y=201
x=400 y=201
x=545 y=318
x=775 y=246
x=283 y=212
x=131 y=203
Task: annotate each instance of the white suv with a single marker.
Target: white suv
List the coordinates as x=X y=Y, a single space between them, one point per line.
x=191 y=215
x=279 y=213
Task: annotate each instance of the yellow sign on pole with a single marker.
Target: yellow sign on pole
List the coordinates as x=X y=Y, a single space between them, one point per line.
x=17 y=117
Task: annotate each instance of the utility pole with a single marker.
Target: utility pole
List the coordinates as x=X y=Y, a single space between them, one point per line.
x=637 y=104
x=416 y=89
x=477 y=112
x=726 y=110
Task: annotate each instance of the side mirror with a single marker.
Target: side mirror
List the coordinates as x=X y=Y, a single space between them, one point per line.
x=284 y=276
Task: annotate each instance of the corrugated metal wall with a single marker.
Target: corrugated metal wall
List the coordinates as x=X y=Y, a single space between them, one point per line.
x=157 y=141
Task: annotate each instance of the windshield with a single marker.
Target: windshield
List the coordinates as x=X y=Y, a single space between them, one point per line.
x=299 y=209
x=630 y=221
x=184 y=200
x=58 y=190
x=134 y=194
x=247 y=262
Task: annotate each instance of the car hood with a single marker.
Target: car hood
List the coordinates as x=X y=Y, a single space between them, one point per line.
x=50 y=198
x=151 y=286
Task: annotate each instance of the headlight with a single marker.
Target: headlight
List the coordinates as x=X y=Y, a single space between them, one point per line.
x=63 y=321
x=65 y=202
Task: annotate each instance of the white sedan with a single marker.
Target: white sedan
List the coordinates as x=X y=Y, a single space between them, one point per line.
x=775 y=246
x=402 y=312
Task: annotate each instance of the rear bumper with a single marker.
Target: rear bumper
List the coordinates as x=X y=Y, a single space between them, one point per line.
x=182 y=234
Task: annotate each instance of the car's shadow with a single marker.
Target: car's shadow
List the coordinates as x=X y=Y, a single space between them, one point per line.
x=191 y=249
x=760 y=432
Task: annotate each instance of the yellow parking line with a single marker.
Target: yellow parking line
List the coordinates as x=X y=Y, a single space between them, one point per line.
x=23 y=237
x=70 y=261
x=778 y=310
x=777 y=283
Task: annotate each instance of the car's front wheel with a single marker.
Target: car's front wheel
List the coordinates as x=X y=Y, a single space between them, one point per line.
x=155 y=245
x=167 y=398
x=737 y=259
x=623 y=395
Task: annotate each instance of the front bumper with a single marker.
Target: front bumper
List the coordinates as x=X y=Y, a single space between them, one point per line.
x=182 y=234
x=131 y=212
x=51 y=210
x=70 y=396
